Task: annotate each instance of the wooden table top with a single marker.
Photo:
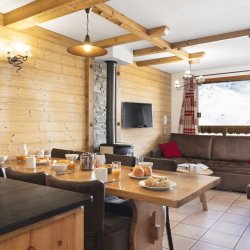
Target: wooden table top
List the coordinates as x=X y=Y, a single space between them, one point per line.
x=187 y=186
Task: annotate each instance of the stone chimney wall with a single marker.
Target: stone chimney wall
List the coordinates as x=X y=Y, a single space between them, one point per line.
x=99 y=77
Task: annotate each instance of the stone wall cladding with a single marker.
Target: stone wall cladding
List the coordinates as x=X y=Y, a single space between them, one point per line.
x=99 y=103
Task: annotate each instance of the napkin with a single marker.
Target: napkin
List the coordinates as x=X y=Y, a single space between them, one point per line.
x=192 y=165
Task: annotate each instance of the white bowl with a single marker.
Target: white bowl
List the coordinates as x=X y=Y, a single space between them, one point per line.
x=71 y=157
x=3 y=158
x=59 y=167
x=145 y=164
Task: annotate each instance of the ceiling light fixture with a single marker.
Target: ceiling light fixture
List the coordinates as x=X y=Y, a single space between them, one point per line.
x=199 y=80
x=87 y=49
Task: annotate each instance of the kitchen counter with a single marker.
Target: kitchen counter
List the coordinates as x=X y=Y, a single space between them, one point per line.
x=22 y=204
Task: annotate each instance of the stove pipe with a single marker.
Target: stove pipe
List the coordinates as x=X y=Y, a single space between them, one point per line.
x=111 y=102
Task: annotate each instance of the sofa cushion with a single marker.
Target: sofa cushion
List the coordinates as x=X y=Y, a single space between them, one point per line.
x=230 y=167
x=193 y=146
x=156 y=153
x=170 y=150
x=232 y=182
x=231 y=148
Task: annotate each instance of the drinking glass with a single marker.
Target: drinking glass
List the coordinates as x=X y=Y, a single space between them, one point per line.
x=100 y=160
x=40 y=153
x=47 y=156
x=22 y=152
x=116 y=170
x=72 y=160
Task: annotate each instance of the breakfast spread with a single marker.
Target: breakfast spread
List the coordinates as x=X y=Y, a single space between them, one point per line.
x=158 y=181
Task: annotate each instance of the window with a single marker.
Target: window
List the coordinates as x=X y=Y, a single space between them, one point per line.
x=224 y=103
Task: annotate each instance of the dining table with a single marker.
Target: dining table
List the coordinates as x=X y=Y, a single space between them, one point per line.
x=148 y=220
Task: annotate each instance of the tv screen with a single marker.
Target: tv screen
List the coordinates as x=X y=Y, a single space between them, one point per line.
x=137 y=115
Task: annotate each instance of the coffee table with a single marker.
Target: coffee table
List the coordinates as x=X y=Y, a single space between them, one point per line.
x=207 y=171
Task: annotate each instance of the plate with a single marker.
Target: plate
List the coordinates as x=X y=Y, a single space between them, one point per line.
x=131 y=175
x=42 y=162
x=64 y=172
x=172 y=184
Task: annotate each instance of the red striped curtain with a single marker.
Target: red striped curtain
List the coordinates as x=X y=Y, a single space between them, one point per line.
x=188 y=119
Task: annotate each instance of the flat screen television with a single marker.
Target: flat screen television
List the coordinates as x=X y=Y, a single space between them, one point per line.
x=137 y=115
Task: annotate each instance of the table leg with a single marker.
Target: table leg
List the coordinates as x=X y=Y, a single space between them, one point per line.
x=203 y=200
x=169 y=235
x=147 y=226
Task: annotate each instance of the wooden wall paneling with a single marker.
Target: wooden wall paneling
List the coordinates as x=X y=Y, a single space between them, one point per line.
x=50 y=36
x=12 y=36
x=90 y=89
x=44 y=104
x=151 y=86
x=1 y=19
x=118 y=105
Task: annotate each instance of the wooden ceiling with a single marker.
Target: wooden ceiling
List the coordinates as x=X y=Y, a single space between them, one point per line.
x=41 y=11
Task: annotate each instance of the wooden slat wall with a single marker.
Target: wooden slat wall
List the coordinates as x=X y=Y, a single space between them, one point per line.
x=45 y=104
x=150 y=86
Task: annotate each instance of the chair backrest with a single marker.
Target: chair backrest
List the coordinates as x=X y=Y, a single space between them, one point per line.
x=2 y=172
x=60 y=153
x=36 y=178
x=124 y=159
x=163 y=164
x=79 y=153
x=94 y=212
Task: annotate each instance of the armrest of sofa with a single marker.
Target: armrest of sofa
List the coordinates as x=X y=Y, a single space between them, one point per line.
x=248 y=191
x=156 y=153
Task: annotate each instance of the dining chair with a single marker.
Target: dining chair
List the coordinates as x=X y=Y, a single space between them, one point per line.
x=102 y=231
x=165 y=165
x=60 y=153
x=162 y=164
x=113 y=203
x=36 y=178
x=2 y=172
x=125 y=160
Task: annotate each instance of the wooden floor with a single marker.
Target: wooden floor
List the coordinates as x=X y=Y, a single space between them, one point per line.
x=226 y=224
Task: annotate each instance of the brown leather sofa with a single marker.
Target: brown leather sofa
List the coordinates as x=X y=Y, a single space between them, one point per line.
x=227 y=156
x=248 y=191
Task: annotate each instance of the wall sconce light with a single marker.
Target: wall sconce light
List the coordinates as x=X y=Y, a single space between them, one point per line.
x=18 y=55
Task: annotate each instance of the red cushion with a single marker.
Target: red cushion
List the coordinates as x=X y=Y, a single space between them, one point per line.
x=170 y=150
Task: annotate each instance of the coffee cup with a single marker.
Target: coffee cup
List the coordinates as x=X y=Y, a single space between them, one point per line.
x=31 y=161
x=101 y=174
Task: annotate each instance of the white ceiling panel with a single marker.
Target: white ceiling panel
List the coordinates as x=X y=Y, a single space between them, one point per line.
x=74 y=26
x=186 y=20
x=9 y=5
x=221 y=54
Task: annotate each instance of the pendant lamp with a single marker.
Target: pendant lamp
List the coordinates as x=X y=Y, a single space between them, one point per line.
x=199 y=80
x=87 y=49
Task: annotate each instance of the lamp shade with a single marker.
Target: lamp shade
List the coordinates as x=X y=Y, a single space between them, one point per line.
x=87 y=49
x=79 y=50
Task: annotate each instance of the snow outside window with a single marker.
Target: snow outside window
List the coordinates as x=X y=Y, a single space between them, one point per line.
x=224 y=103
